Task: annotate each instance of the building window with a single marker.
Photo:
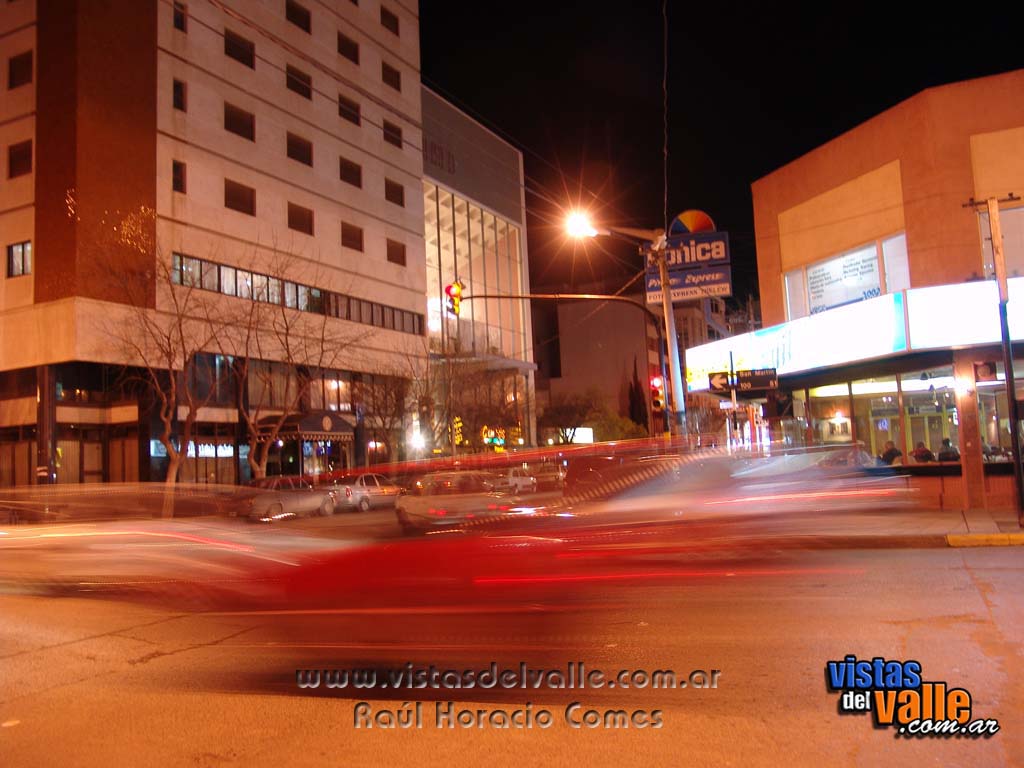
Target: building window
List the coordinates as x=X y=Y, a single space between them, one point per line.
x=394 y=192
x=180 y=96
x=239 y=197
x=351 y=173
x=178 y=176
x=388 y=20
x=299 y=81
x=298 y=15
x=300 y=149
x=300 y=219
x=351 y=236
x=396 y=252
x=391 y=76
x=19 y=259
x=240 y=49
x=180 y=17
x=19 y=70
x=348 y=48
x=348 y=109
x=392 y=134
x=239 y=122
x=19 y=159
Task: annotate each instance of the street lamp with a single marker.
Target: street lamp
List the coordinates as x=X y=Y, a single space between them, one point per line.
x=652 y=243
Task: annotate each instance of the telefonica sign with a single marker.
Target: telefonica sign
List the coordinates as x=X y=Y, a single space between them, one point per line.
x=703 y=250
x=697 y=260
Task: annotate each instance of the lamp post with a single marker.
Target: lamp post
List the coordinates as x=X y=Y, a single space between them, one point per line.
x=592 y=297
x=652 y=244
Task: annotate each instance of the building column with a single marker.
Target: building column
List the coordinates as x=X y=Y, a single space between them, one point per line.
x=972 y=462
x=46 y=425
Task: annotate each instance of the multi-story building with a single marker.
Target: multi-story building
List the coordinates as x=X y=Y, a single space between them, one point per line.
x=259 y=152
x=877 y=287
x=475 y=233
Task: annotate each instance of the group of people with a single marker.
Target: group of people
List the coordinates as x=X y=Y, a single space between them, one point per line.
x=921 y=454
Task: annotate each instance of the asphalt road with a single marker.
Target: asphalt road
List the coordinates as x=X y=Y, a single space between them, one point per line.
x=101 y=681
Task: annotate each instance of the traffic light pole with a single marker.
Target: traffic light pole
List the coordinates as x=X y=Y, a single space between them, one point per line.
x=598 y=297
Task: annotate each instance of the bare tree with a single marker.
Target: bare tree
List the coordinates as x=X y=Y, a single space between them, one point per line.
x=281 y=340
x=168 y=331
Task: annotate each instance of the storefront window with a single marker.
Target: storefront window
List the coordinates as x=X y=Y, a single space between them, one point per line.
x=993 y=414
x=929 y=406
x=829 y=409
x=876 y=415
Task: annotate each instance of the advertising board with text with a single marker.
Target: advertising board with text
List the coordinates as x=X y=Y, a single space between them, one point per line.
x=698 y=267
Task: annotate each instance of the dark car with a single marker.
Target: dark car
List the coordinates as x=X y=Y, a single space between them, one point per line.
x=587 y=473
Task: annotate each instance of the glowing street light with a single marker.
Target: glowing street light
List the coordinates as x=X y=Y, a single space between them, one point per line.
x=578 y=225
x=652 y=243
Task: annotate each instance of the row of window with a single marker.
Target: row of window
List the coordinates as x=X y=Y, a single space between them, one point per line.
x=294 y=12
x=241 y=198
x=243 y=284
x=242 y=123
x=19 y=70
x=243 y=50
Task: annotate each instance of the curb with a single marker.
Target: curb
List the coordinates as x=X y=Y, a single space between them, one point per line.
x=985 y=539
x=906 y=541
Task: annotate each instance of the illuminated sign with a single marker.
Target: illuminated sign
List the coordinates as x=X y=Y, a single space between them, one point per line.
x=861 y=331
x=963 y=315
x=843 y=280
x=688 y=284
x=698 y=267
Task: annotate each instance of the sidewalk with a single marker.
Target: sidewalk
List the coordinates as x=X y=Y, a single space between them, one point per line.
x=905 y=528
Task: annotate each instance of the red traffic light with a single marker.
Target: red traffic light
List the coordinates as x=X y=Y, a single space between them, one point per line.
x=454 y=290
x=656 y=382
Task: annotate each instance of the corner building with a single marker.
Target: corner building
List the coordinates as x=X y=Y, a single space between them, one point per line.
x=218 y=136
x=878 y=294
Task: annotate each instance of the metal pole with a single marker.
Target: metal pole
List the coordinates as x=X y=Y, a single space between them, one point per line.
x=678 y=385
x=595 y=297
x=1011 y=387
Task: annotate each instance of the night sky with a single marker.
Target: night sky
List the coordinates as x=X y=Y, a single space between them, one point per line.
x=579 y=92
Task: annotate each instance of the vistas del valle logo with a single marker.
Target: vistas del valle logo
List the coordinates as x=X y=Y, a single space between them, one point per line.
x=898 y=697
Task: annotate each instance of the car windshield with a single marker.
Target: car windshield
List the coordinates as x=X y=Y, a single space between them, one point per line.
x=442 y=485
x=346 y=480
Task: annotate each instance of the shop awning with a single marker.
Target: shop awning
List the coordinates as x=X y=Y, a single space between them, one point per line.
x=316 y=425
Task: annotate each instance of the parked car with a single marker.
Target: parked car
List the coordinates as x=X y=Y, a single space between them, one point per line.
x=283 y=498
x=447 y=499
x=363 y=492
x=515 y=480
x=550 y=475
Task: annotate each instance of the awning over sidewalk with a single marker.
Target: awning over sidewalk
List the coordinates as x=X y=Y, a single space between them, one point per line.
x=315 y=425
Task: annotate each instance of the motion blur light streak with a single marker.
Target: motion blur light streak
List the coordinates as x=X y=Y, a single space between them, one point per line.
x=798 y=496
x=496 y=580
x=160 y=534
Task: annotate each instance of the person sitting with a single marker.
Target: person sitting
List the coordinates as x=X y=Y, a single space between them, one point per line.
x=921 y=454
x=948 y=452
x=890 y=454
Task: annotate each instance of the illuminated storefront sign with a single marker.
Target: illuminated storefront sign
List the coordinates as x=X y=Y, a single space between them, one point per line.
x=861 y=331
x=938 y=317
x=962 y=315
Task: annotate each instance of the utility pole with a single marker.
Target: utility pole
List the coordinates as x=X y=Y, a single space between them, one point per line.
x=999 y=259
x=999 y=263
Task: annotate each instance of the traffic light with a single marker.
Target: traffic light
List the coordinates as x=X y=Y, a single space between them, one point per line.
x=657 y=394
x=453 y=292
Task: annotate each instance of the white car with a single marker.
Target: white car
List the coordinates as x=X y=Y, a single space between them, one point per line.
x=364 y=492
x=447 y=499
x=283 y=498
x=515 y=480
